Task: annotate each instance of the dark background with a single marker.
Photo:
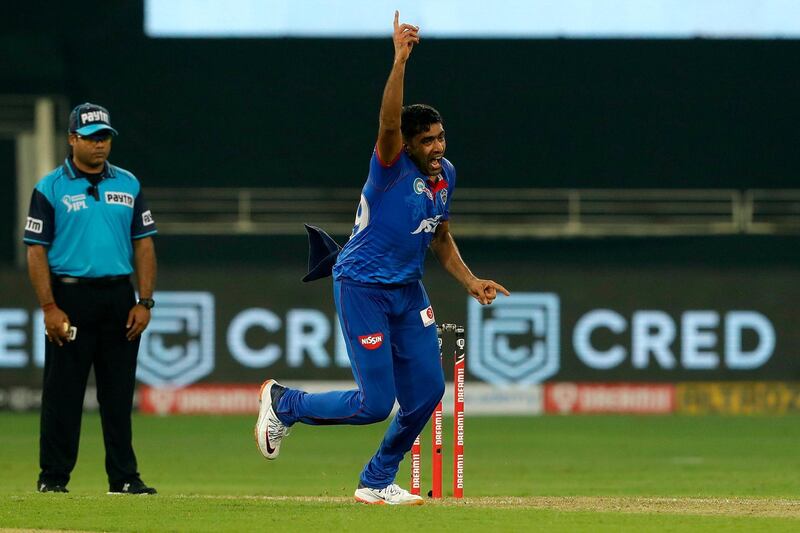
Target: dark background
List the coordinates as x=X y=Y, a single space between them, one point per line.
x=519 y=113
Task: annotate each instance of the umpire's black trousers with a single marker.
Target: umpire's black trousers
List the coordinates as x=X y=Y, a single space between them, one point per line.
x=100 y=311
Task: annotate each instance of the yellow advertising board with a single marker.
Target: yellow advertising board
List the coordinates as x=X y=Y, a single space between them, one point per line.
x=737 y=398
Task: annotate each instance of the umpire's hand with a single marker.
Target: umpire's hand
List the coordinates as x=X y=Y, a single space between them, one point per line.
x=138 y=318
x=56 y=325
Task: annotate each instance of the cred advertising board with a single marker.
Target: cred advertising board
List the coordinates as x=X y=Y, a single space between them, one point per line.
x=212 y=327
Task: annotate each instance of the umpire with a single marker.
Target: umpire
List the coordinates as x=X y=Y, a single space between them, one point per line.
x=88 y=227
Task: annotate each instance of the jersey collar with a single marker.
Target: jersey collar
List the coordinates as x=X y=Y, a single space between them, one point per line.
x=74 y=173
x=437 y=184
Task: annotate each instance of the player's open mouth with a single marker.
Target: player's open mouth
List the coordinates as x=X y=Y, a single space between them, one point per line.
x=436 y=164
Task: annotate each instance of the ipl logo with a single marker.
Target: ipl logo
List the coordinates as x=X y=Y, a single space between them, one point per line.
x=177 y=348
x=76 y=202
x=516 y=339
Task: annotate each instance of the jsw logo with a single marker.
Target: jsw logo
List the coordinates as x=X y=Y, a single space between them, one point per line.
x=371 y=342
x=428 y=225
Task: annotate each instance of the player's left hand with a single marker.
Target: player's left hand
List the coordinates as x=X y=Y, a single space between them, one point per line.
x=485 y=290
x=138 y=319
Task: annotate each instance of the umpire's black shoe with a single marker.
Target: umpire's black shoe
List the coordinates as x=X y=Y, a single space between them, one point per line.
x=43 y=486
x=131 y=487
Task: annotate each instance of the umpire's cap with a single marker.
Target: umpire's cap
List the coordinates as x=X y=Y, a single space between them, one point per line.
x=322 y=253
x=88 y=118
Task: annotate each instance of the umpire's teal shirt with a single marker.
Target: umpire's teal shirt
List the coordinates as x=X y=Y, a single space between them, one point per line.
x=88 y=237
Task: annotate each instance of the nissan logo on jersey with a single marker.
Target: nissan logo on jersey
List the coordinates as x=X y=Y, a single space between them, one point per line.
x=371 y=342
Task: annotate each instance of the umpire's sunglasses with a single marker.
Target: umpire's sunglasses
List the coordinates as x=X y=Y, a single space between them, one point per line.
x=95 y=137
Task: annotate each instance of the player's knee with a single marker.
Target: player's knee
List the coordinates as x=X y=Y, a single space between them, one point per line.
x=436 y=393
x=379 y=410
x=383 y=412
x=439 y=392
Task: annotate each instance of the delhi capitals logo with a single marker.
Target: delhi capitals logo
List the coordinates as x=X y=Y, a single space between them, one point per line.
x=419 y=186
x=443 y=195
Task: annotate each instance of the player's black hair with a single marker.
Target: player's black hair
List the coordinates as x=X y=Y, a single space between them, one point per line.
x=417 y=118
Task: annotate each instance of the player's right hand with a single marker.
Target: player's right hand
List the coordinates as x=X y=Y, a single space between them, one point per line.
x=56 y=326
x=485 y=290
x=405 y=37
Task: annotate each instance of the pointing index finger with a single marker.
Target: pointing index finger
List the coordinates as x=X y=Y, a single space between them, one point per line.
x=396 y=19
x=501 y=288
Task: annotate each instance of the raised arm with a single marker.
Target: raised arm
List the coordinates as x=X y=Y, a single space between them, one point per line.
x=390 y=138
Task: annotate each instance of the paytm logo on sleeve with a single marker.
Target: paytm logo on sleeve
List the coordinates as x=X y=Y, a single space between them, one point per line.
x=177 y=347
x=514 y=340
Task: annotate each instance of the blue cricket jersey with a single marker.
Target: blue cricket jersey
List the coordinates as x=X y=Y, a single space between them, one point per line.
x=88 y=237
x=395 y=222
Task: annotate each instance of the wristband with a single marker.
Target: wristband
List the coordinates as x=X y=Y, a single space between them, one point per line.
x=48 y=306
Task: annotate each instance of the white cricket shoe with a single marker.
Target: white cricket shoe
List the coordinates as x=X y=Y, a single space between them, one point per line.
x=391 y=495
x=269 y=430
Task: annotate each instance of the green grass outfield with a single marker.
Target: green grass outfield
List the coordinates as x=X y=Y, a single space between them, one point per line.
x=589 y=473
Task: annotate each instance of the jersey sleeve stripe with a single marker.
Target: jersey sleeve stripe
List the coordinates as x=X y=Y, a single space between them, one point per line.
x=27 y=240
x=381 y=161
x=143 y=235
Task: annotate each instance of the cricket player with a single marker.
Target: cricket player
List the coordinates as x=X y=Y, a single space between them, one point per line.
x=386 y=317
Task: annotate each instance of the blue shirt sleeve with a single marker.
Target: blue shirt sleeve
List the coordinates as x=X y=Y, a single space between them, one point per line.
x=382 y=174
x=143 y=223
x=40 y=226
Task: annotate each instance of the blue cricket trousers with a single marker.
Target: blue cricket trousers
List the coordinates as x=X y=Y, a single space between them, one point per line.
x=394 y=354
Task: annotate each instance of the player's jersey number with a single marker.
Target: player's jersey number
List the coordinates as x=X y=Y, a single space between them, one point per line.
x=362 y=216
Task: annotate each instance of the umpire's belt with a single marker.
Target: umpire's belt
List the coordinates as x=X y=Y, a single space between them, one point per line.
x=96 y=282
